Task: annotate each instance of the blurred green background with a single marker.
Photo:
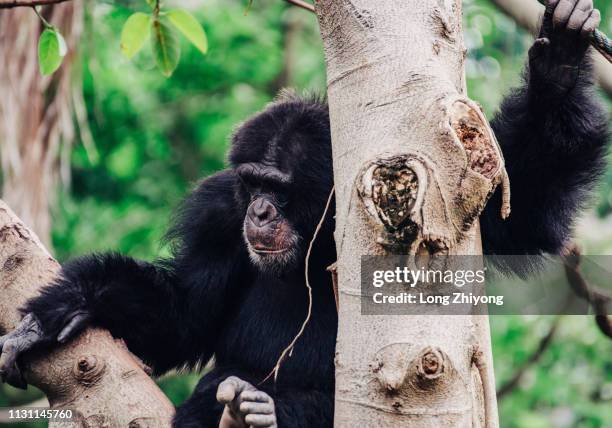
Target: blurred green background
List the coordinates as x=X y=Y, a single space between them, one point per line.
x=154 y=137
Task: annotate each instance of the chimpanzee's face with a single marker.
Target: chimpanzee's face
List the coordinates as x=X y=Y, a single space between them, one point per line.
x=272 y=240
x=283 y=159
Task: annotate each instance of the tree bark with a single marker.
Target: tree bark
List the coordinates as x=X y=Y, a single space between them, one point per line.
x=528 y=14
x=399 y=113
x=94 y=374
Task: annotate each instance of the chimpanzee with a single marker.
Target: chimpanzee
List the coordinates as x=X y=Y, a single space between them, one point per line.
x=234 y=288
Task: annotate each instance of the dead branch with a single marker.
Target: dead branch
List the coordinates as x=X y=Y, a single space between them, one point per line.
x=598 y=299
x=545 y=342
x=302 y=4
x=8 y=4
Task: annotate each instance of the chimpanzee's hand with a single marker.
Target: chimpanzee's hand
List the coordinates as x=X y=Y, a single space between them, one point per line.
x=556 y=56
x=245 y=405
x=29 y=334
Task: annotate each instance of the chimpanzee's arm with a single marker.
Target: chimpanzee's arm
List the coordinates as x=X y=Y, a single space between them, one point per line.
x=168 y=313
x=553 y=134
x=136 y=301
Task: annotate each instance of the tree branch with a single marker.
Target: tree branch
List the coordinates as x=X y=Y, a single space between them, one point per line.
x=94 y=375
x=8 y=4
x=537 y=354
x=300 y=3
x=528 y=15
x=598 y=299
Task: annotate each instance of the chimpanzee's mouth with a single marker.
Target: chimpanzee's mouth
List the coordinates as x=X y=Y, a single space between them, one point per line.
x=266 y=250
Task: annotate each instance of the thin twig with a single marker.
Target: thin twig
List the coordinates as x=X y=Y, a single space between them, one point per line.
x=537 y=354
x=597 y=298
x=288 y=351
x=42 y=18
x=302 y=4
x=7 y=4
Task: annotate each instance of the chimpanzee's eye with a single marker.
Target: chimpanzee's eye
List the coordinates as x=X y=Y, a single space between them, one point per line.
x=250 y=184
x=281 y=199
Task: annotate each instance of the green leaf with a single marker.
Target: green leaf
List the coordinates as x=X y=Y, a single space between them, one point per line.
x=166 y=48
x=134 y=34
x=51 y=51
x=190 y=27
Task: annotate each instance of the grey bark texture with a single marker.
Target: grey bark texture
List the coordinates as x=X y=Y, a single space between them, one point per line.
x=94 y=374
x=402 y=124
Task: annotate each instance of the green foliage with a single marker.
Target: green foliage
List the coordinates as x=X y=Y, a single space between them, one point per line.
x=158 y=27
x=51 y=51
x=190 y=27
x=166 y=48
x=570 y=386
x=135 y=33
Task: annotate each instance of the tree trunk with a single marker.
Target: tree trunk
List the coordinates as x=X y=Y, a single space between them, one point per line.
x=399 y=114
x=94 y=374
x=528 y=14
x=36 y=124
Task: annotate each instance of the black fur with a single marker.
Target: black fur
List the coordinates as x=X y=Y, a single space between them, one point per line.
x=554 y=146
x=209 y=299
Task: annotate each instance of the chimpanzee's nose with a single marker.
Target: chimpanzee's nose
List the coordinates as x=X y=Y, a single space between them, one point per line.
x=261 y=212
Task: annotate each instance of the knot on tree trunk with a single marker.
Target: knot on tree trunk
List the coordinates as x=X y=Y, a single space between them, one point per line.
x=417 y=208
x=397 y=374
x=88 y=370
x=408 y=382
x=392 y=190
x=430 y=365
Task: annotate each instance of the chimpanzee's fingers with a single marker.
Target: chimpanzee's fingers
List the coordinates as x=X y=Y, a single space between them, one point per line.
x=231 y=388
x=261 y=421
x=562 y=13
x=247 y=407
x=547 y=25
x=15 y=378
x=9 y=371
x=10 y=352
x=27 y=334
x=591 y=23
x=579 y=15
x=3 y=339
x=256 y=396
x=77 y=323
x=28 y=321
x=226 y=391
